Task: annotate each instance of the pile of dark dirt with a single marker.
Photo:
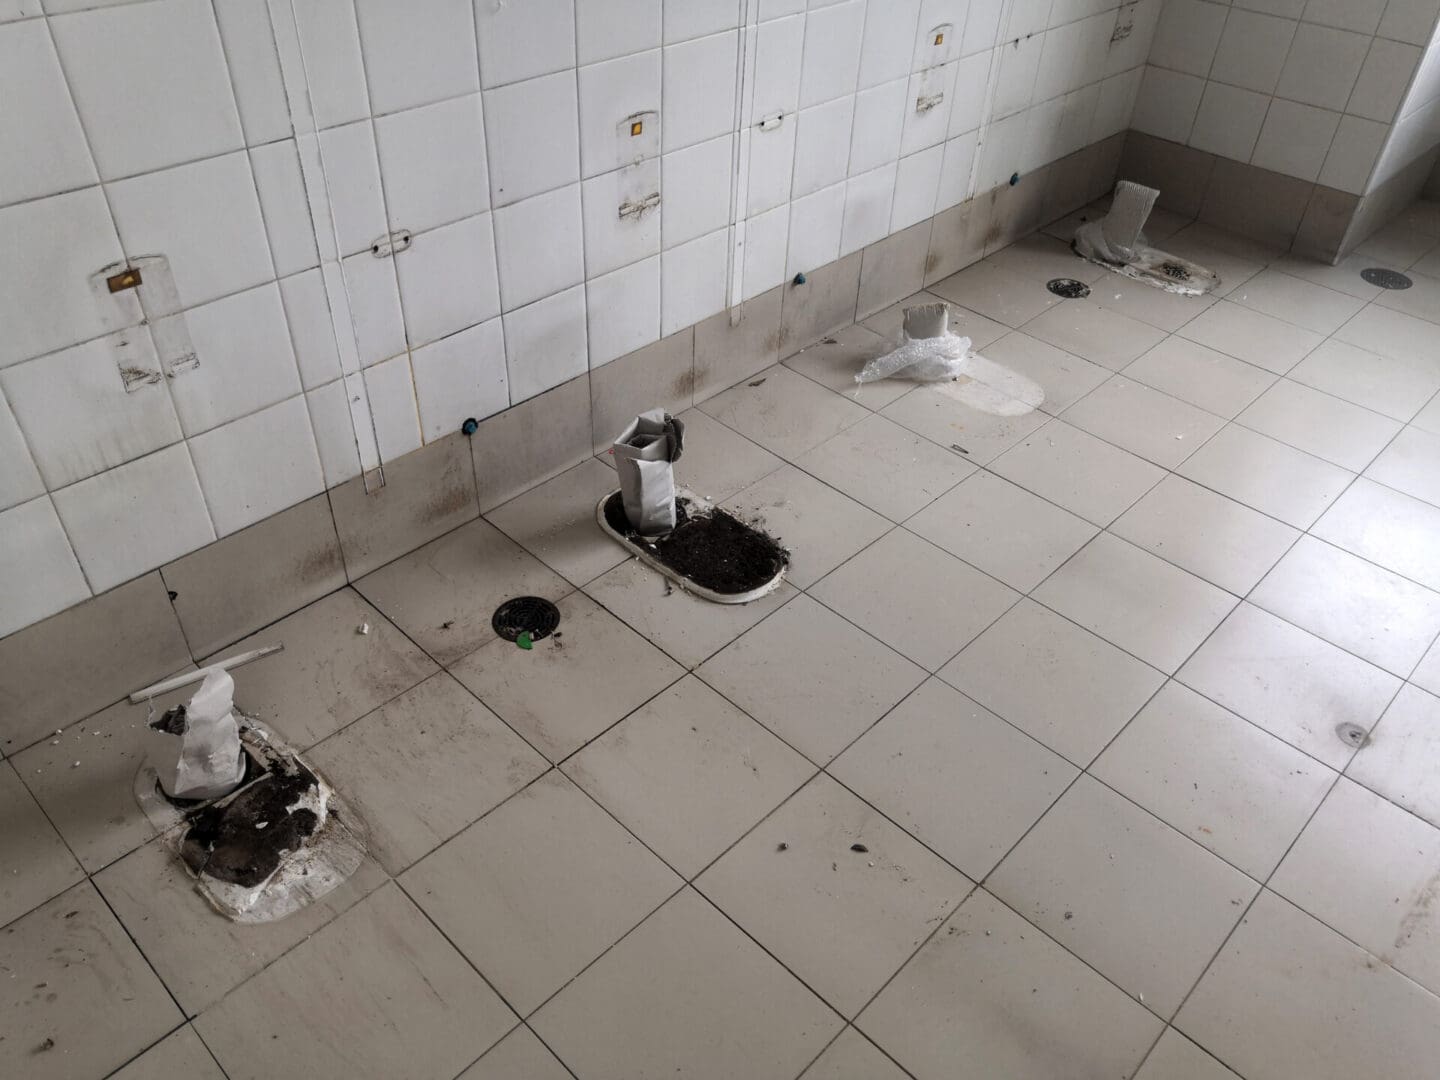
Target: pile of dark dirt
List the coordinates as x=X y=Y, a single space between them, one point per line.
x=708 y=546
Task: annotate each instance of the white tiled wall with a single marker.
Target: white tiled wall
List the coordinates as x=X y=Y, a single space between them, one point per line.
x=265 y=147
x=1308 y=88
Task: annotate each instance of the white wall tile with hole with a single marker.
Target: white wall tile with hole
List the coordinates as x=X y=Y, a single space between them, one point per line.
x=38 y=112
x=415 y=57
x=831 y=64
x=432 y=160
x=1002 y=151
x=77 y=416
x=917 y=184
x=1026 y=18
x=448 y=279
x=352 y=180
x=1229 y=121
x=693 y=281
x=613 y=241
x=695 y=191
x=623 y=310
x=48 y=250
x=39 y=575
x=822 y=145
x=20 y=479
x=331 y=421
x=281 y=188
x=246 y=360
x=687 y=19
x=334 y=71
x=888 y=42
x=522 y=40
x=778 y=46
x=205 y=218
x=533 y=135
x=250 y=53
x=459 y=377
x=928 y=100
x=879 y=123
x=610 y=93
x=1295 y=139
x=312 y=333
x=766 y=238
x=699 y=89
x=374 y=297
x=815 y=225
x=133 y=518
x=772 y=164
x=868 y=201
x=605 y=29
x=545 y=343
x=391 y=390
x=538 y=246
x=258 y=465
x=151 y=85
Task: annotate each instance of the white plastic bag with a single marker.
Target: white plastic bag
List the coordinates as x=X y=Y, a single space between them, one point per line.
x=202 y=759
x=925 y=359
x=644 y=453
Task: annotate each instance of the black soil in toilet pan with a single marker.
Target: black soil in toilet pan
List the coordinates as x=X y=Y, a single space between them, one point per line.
x=714 y=549
x=241 y=840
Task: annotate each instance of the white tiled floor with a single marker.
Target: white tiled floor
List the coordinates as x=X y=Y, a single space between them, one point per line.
x=1029 y=771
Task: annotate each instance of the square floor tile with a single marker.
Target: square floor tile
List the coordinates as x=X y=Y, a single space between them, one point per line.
x=1144 y=303
x=684 y=626
x=75 y=979
x=1124 y=892
x=797 y=885
x=539 y=888
x=1421 y=300
x=1355 y=604
x=1297 y=301
x=1220 y=780
x=1059 y=683
x=1002 y=529
x=377 y=991
x=423 y=766
x=1268 y=1005
x=1064 y=378
x=568 y=688
x=963 y=781
x=834 y=361
x=1344 y=276
x=670 y=998
x=784 y=412
x=1251 y=336
x=1213 y=537
x=35 y=864
x=914 y=597
x=1267 y=475
x=820 y=527
x=891 y=470
x=1289 y=682
x=981 y=437
x=1391 y=333
x=814 y=679
x=997 y=294
x=1427 y=675
x=330 y=672
x=1156 y=426
x=443 y=594
x=1132 y=599
x=1331 y=429
x=181 y=1053
x=168 y=917
x=853 y=1057
x=1368 y=869
x=556 y=523
x=1177 y=1058
x=519 y=1055
x=1056 y=1017
x=1108 y=338
x=1386 y=527
x=1410 y=464
x=1402 y=759
x=688 y=774
x=1396 y=387
x=1045 y=258
x=1074 y=469
x=718 y=462
x=1205 y=378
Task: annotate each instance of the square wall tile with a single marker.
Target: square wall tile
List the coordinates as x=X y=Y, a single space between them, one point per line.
x=1252 y=50
x=350 y=169
x=448 y=279
x=830 y=65
x=373 y=296
x=412 y=61
x=524 y=40
x=284 y=206
x=605 y=29
x=1322 y=66
x=611 y=94
x=545 y=343
x=180 y=106
x=695 y=190
x=623 y=310
x=41 y=577
x=21 y=480
x=254 y=62
x=335 y=71
x=1296 y=138
x=1228 y=121
x=40 y=110
x=613 y=240
x=692 y=281
x=698 y=89
x=822 y=138
x=394 y=418
x=459 y=377
x=507 y=461
x=433 y=162
x=521 y=165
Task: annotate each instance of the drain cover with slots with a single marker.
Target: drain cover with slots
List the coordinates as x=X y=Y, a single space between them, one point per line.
x=525 y=615
x=1069 y=288
x=1386 y=279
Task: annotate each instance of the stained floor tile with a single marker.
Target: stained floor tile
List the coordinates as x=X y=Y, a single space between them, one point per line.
x=1387 y=527
x=518 y=1056
x=1410 y=464
x=1268 y=1005
x=180 y=1053
x=783 y=412
x=1394 y=386
x=1331 y=429
x=1297 y=301
x=555 y=522
x=853 y=1057
x=996 y=293
x=35 y=864
x=1156 y=426
x=954 y=774
x=1202 y=376
x=1079 y=472
x=1251 y=336
x=1267 y=475
x=834 y=361
x=1402 y=760
x=670 y=997
x=1064 y=378
x=992 y=991
x=1111 y=339
x=718 y=462
x=981 y=437
x=798 y=883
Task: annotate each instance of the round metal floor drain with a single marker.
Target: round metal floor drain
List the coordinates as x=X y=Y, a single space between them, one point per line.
x=1069 y=288
x=525 y=615
x=1352 y=735
x=1386 y=279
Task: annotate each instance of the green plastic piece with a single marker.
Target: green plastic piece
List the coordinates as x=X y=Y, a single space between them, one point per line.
x=524 y=640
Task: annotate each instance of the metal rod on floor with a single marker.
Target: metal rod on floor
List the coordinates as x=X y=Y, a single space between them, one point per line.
x=175 y=683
